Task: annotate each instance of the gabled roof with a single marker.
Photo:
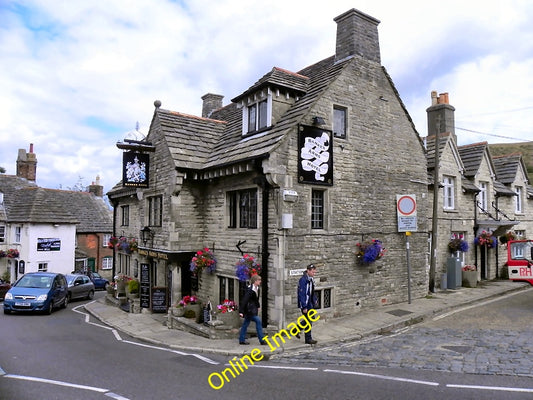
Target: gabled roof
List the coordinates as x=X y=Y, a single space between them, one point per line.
x=25 y=202
x=92 y=213
x=502 y=190
x=472 y=156
x=279 y=78
x=507 y=167
x=445 y=139
x=197 y=143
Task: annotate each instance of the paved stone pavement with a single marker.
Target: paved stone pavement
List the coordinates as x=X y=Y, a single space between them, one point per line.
x=368 y=337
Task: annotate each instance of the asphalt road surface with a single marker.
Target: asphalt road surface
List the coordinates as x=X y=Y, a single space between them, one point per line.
x=478 y=353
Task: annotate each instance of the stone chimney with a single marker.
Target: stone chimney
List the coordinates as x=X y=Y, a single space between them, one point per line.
x=27 y=164
x=357 y=34
x=211 y=103
x=441 y=115
x=96 y=189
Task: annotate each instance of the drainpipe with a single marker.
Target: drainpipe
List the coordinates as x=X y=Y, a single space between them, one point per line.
x=265 y=186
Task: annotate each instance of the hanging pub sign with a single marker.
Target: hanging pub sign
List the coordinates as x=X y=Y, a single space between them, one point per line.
x=315 y=155
x=48 y=244
x=135 y=168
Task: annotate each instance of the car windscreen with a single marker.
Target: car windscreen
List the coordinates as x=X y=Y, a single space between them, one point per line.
x=35 y=282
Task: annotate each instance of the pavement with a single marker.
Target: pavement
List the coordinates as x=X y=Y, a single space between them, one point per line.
x=152 y=328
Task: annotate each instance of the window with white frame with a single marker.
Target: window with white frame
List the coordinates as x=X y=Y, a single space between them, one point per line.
x=257 y=114
x=483 y=199
x=2 y=233
x=42 y=267
x=449 y=192
x=105 y=239
x=520 y=234
x=107 y=263
x=339 y=122
x=18 y=234
x=518 y=199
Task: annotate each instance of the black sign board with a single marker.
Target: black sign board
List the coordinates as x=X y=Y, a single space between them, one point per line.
x=315 y=155
x=159 y=300
x=135 y=169
x=145 y=286
x=48 y=244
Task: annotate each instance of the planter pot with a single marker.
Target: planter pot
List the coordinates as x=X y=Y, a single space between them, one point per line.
x=469 y=278
x=197 y=311
x=121 y=288
x=178 y=311
x=229 y=319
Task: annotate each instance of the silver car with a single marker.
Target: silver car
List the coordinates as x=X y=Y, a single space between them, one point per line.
x=80 y=287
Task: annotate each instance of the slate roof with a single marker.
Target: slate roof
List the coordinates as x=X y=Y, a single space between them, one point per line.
x=206 y=144
x=25 y=202
x=472 y=156
x=507 y=167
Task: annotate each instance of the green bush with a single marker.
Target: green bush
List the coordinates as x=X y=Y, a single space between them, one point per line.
x=133 y=286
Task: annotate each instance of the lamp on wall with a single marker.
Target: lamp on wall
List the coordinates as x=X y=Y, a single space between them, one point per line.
x=146 y=234
x=317 y=121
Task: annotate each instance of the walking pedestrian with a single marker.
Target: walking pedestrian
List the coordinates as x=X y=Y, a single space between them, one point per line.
x=306 y=297
x=249 y=308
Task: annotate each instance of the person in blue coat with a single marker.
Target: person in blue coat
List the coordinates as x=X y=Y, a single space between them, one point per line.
x=249 y=308
x=307 y=300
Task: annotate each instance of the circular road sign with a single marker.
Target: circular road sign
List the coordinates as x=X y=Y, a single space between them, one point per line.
x=406 y=205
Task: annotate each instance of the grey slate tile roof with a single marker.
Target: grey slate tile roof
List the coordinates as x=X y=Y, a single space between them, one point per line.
x=197 y=143
x=507 y=167
x=25 y=202
x=472 y=156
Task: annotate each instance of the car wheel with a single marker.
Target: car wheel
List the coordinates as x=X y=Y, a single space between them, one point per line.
x=7 y=311
x=90 y=295
x=50 y=308
x=65 y=302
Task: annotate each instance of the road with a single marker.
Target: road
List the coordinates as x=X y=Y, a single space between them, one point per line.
x=480 y=353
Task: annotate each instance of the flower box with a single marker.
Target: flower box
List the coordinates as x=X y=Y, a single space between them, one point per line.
x=469 y=278
x=229 y=319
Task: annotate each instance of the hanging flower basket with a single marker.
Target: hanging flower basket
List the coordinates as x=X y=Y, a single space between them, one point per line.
x=246 y=267
x=3 y=254
x=457 y=244
x=369 y=251
x=113 y=241
x=12 y=253
x=510 y=235
x=204 y=259
x=486 y=239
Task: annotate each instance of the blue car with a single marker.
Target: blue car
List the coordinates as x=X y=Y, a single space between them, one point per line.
x=99 y=282
x=37 y=291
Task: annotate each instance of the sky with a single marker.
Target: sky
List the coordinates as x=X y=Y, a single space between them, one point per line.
x=76 y=77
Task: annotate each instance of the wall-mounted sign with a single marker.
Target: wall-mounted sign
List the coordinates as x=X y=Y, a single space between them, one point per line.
x=406 y=207
x=315 y=155
x=48 y=244
x=135 y=169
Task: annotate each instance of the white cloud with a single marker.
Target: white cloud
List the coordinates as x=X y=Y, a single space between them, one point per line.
x=78 y=77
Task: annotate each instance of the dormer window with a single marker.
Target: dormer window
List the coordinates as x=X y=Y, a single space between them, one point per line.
x=257 y=115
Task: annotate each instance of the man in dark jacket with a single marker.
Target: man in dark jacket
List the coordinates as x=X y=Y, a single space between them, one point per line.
x=306 y=297
x=249 y=308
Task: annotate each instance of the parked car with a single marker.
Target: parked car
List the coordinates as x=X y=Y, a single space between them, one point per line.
x=79 y=287
x=37 y=291
x=99 y=282
x=4 y=287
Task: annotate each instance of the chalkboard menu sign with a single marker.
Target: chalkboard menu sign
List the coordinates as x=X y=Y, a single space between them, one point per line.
x=145 y=286
x=159 y=300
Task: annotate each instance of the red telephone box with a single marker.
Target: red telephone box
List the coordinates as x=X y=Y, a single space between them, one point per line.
x=520 y=260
